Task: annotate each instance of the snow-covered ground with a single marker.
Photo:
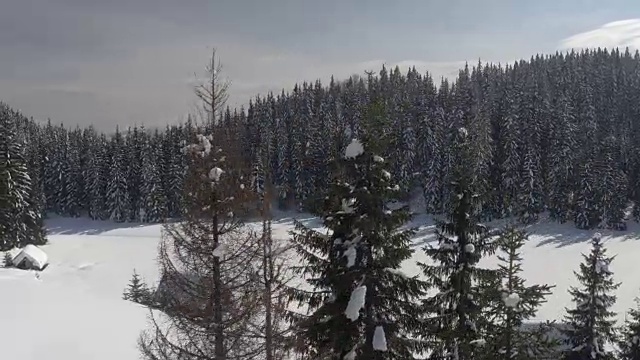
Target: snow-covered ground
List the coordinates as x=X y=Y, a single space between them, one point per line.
x=74 y=309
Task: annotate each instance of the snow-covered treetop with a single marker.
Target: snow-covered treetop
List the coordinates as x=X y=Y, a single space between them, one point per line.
x=354 y=149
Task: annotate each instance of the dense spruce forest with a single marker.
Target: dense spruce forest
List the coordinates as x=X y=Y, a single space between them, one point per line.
x=557 y=133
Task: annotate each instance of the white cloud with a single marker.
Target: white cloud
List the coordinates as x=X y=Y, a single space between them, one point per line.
x=620 y=34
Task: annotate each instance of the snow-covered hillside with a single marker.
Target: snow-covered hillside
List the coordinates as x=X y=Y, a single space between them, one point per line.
x=74 y=309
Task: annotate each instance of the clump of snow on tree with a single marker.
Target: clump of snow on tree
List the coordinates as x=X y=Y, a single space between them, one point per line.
x=478 y=342
x=215 y=173
x=378 y=158
x=354 y=149
x=351 y=355
x=351 y=254
x=347 y=205
x=512 y=300
x=220 y=251
x=397 y=272
x=602 y=267
x=469 y=248
x=386 y=174
x=379 y=339
x=205 y=144
x=356 y=303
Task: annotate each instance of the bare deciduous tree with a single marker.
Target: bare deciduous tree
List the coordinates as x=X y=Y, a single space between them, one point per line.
x=214 y=92
x=209 y=293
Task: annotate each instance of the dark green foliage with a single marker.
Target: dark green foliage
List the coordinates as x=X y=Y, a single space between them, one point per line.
x=629 y=340
x=7 y=260
x=152 y=201
x=591 y=322
x=20 y=211
x=118 y=205
x=454 y=316
x=513 y=303
x=137 y=291
x=364 y=251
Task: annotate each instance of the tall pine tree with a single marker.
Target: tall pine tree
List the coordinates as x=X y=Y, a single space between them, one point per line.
x=454 y=314
x=20 y=216
x=513 y=303
x=591 y=322
x=361 y=306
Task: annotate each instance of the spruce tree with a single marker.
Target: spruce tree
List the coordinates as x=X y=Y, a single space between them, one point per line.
x=562 y=166
x=95 y=172
x=454 y=317
x=118 y=204
x=136 y=140
x=72 y=181
x=611 y=189
x=513 y=303
x=360 y=305
x=20 y=218
x=137 y=291
x=629 y=341
x=591 y=322
x=153 y=203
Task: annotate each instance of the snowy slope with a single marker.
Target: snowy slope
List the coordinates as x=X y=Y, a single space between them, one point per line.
x=74 y=310
x=554 y=251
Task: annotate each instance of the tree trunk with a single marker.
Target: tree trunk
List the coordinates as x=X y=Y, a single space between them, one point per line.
x=267 y=265
x=219 y=350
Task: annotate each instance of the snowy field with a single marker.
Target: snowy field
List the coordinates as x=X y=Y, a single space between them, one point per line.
x=74 y=309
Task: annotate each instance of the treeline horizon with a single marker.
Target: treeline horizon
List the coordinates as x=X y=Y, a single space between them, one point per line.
x=558 y=133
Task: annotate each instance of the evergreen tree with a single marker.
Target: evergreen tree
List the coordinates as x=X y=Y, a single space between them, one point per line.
x=95 y=179
x=629 y=341
x=562 y=155
x=361 y=306
x=434 y=171
x=586 y=207
x=513 y=303
x=8 y=260
x=591 y=322
x=117 y=192
x=137 y=291
x=136 y=140
x=72 y=181
x=611 y=190
x=454 y=315
x=510 y=164
x=153 y=203
x=53 y=171
x=20 y=218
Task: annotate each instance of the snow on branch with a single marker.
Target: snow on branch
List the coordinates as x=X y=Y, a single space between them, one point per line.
x=356 y=303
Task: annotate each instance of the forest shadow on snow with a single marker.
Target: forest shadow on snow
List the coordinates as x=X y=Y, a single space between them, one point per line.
x=57 y=225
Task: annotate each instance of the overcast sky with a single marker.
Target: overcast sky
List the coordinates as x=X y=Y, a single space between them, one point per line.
x=108 y=62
